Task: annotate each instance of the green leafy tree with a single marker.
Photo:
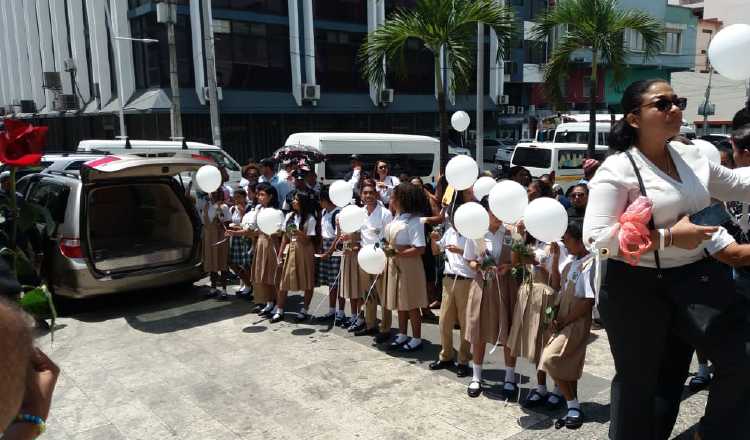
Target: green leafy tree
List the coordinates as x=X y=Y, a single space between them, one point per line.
x=598 y=26
x=441 y=25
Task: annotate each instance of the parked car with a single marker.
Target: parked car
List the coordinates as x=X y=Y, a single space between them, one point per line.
x=716 y=138
x=122 y=223
x=565 y=160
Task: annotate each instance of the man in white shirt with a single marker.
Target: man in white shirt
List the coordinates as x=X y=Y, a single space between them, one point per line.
x=279 y=183
x=457 y=277
x=372 y=233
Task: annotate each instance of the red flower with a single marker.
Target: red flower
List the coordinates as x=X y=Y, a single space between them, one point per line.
x=21 y=144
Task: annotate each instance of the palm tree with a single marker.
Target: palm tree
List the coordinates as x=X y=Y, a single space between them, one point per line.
x=448 y=26
x=599 y=27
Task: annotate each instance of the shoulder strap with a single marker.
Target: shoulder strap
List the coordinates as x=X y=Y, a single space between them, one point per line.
x=643 y=193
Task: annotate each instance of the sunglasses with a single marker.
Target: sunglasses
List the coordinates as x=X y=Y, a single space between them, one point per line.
x=665 y=104
x=382 y=167
x=577 y=195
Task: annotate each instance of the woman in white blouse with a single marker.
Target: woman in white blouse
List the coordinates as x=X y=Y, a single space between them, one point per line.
x=384 y=182
x=648 y=309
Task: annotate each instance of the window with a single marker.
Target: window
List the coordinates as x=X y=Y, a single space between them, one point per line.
x=586 y=85
x=532 y=157
x=222 y=159
x=337 y=165
x=672 y=40
x=354 y=11
x=52 y=196
x=634 y=41
x=573 y=137
x=336 y=61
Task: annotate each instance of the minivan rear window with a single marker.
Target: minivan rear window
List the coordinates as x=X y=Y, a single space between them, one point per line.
x=337 y=165
x=532 y=157
x=221 y=159
x=572 y=137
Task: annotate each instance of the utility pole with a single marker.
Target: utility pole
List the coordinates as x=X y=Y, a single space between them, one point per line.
x=213 y=96
x=706 y=103
x=479 y=142
x=168 y=14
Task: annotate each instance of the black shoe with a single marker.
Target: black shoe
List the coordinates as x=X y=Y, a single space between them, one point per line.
x=266 y=312
x=367 y=332
x=511 y=393
x=212 y=293
x=382 y=338
x=356 y=327
x=223 y=297
x=574 y=422
x=407 y=348
x=276 y=318
x=258 y=308
x=462 y=370
x=474 y=392
x=530 y=402
x=342 y=322
x=440 y=365
x=393 y=346
x=553 y=406
x=698 y=383
x=324 y=318
x=301 y=317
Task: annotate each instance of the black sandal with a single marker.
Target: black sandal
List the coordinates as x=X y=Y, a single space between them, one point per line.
x=574 y=422
x=512 y=393
x=406 y=348
x=474 y=392
x=530 y=402
x=553 y=406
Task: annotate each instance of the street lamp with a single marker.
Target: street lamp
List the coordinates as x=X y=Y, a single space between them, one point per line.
x=121 y=91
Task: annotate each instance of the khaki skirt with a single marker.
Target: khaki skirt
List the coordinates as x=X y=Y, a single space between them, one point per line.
x=215 y=257
x=508 y=300
x=406 y=285
x=299 y=267
x=526 y=338
x=265 y=269
x=565 y=352
x=483 y=312
x=353 y=279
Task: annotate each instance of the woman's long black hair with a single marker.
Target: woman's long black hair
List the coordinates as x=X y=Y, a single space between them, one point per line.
x=411 y=199
x=307 y=205
x=271 y=191
x=622 y=135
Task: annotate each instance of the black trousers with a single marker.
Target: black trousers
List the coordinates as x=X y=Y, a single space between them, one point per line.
x=654 y=323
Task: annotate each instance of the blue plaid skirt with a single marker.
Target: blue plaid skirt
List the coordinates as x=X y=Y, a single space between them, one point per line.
x=239 y=252
x=328 y=269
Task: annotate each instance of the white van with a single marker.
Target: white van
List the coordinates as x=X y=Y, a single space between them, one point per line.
x=167 y=149
x=578 y=133
x=566 y=160
x=410 y=154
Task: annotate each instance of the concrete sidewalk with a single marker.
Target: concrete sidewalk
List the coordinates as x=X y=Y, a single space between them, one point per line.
x=172 y=364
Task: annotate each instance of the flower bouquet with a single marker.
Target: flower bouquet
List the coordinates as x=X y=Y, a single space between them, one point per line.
x=389 y=250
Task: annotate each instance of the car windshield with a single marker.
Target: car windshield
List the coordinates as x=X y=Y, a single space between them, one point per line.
x=221 y=158
x=532 y=157
x=572 y=137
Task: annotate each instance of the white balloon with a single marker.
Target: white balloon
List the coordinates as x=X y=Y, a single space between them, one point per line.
x=709 y=150
x=352 y=218
x=460 y=120
x=727 y=49
x=471 y=220
x=483 y=186
x=371 y=259
x=461 y=172
x=208 y=178
x=341 y=193
x=270 y=220
x=545 y=219
x=508 y=200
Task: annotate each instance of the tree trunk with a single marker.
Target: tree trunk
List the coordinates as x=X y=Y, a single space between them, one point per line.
x=592 y=105
x=441 y=79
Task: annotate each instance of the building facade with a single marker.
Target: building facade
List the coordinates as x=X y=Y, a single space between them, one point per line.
x=283 y=66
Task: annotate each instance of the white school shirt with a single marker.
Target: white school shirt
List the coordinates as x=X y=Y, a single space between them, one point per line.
x=583 y=279
x=455 y=264
x=493 y=245
x=309 y=226
x=221 y=212
x=374 y=228
x=386 y=192
x=327 y=228
x=413 y=234
x=236 y=214
x=615 y=185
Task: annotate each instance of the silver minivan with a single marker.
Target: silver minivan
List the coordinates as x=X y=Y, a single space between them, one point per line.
x=122 y=223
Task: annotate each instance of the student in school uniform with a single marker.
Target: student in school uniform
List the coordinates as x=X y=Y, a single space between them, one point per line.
x=329 y=266
x=535 y=295
x=486 y=310
x=353 y=280
x=457 y=278
x=565 y=351
x=216 y=218
x=405 y=279
x=264 y=269
x=372 y=233
x=239 y=247
x=298 y=250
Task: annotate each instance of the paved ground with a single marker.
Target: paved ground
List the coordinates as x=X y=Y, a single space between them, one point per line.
x=173 y=365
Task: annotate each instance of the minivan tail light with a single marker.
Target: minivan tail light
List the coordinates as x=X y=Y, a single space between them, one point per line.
x=71 y=248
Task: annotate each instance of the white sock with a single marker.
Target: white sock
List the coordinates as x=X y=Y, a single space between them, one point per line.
x=510 y=374
x=557 y=391
x=414 y=342
x=541 y=389
x=279 y=311
x=574 y=404
x=303 y=311
x=269 y=305
x=400 y=338
x=703 y=370
x=242 y=285
x=477 y=371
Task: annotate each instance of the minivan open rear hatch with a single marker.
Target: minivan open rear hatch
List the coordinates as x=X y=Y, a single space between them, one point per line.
x=135 y=215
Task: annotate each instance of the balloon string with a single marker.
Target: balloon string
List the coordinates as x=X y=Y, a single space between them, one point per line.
x=369 y=291
x=335 y=280
x=500 y=297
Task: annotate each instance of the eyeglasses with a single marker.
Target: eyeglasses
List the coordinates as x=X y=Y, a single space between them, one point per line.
x=665 y=104
x=383 y=167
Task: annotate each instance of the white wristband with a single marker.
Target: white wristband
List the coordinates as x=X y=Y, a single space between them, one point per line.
x=661 y=238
